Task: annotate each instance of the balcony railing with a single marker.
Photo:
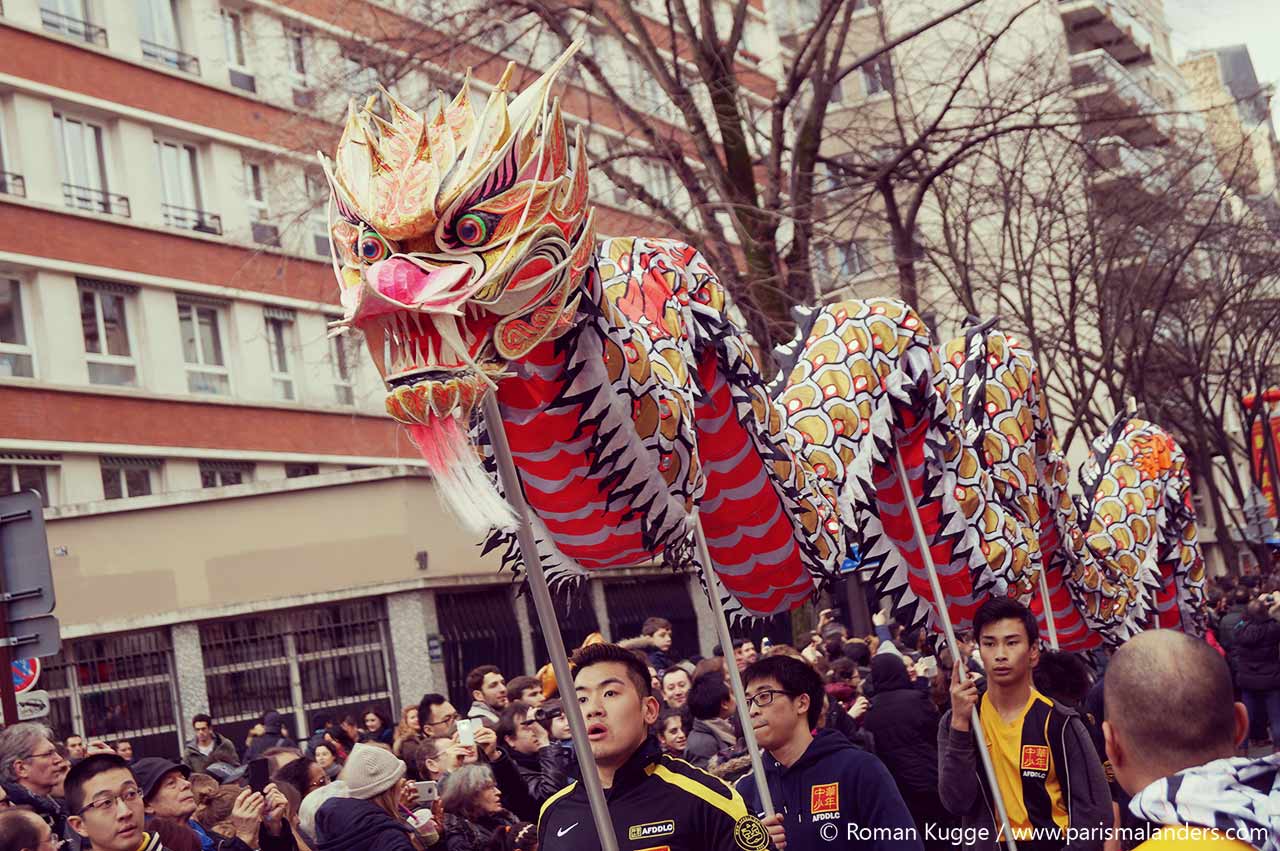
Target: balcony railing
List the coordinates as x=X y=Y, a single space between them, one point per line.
x=162 y=54
x=266 y=234
x=1105 y=24
x=1115 y=103
x=191 y=219
x=13 y=184
x=73 y=27
x=95 y=200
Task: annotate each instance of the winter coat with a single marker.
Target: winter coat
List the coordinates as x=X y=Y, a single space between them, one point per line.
x=905 y=726
x=354 y=824
x=224 y=750
x=1236 y=794
x=1234 y=616
x=1257 y=652
x=703 y=744
x=268 y=740
x=545 y=772
x=49 y=809
x=834 y=783
x=463 y=834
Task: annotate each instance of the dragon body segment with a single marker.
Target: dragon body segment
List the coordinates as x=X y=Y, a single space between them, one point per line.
x=465 y=253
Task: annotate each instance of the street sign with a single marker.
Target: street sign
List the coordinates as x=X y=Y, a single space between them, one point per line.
x=24 y=553
x=33 y=704
x=34 y=637
x=25 y=674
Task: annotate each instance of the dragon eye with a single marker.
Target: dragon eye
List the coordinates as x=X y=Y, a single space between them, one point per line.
x=472 y=229
x=373 y=248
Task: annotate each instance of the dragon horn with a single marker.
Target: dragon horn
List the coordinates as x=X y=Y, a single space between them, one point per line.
x=529 y=102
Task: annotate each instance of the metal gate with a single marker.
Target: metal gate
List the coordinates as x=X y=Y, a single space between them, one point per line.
x=577 y=620
x=477 y=628
x=334 y=658
x=630 y=601
x=115 y=687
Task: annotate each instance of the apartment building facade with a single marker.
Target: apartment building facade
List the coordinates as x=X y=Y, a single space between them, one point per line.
x=235 y=525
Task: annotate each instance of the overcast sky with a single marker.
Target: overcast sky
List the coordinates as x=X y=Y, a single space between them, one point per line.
x=1200 y=24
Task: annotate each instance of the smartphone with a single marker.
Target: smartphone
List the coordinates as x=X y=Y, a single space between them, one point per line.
x=466 y=732
x=428 y=791
x=929 y=667
x=259 y=773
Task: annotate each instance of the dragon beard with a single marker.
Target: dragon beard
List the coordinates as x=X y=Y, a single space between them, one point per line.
x=461 y=481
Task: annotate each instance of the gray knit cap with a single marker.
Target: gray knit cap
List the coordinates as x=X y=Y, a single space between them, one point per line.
x=370 y=771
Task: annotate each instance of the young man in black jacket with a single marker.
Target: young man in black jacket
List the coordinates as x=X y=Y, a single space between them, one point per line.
x=1049 y=774
x=830 y=794
x=654 y=801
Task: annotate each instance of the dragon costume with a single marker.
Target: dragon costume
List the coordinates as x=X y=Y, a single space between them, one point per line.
x=465 y=249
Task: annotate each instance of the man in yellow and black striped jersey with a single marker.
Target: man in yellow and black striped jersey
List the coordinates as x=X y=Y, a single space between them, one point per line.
x=656 y=802
x=1050 y=776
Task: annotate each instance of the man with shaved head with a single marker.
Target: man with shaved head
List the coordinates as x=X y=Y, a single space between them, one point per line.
x=1171 y=732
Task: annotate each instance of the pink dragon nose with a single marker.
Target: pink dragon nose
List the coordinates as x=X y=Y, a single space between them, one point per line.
x=396 y=283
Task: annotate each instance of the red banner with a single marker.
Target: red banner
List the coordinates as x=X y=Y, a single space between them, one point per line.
x=1264 y=457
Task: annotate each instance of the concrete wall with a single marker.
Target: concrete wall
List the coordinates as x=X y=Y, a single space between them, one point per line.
x=199 y=553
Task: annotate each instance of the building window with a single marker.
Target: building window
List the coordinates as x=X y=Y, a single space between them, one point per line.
x=28 y=473
x=103 y=316
x=161 y=36
x=296 y=43
x=359 y=77
x=341 y=352
x=201 y=328
x=82 y=164
x=233 y=38
x=317 y=189
x=877 y=76
x=297 y=662
x=297 y=471
x=180 y=188
x=853 y=259
x=220 y=474
x=279 y=327
x=15 y=350
x=255 y=192
x=128 y=477
x=116 y=687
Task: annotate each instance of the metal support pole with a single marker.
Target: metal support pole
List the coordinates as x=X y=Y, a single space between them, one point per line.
x=940 y=606
x=735 y=678
x=1047 y=605
x=550 y=625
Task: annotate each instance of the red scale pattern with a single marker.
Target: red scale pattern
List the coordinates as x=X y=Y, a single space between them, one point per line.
x=574 y=490
x=766 y=586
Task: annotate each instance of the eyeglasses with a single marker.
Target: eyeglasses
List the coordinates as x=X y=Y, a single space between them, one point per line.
x=107 y=803
x=448 y=719
x=42 y=754
x=765 y=697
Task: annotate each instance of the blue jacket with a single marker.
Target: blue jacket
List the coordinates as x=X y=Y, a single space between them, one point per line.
x=835 y=796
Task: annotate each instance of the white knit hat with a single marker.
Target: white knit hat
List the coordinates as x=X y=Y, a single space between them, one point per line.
x=371 y=770
x=311 y=805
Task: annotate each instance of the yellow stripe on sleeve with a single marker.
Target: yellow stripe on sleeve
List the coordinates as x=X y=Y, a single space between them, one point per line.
x=557 y=796
x=733 y=806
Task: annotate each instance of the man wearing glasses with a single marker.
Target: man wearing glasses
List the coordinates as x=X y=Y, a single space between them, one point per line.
x=106 y=805
x=830 y=794
x=31 y=769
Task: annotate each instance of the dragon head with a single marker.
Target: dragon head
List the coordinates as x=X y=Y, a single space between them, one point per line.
x=458 y=241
